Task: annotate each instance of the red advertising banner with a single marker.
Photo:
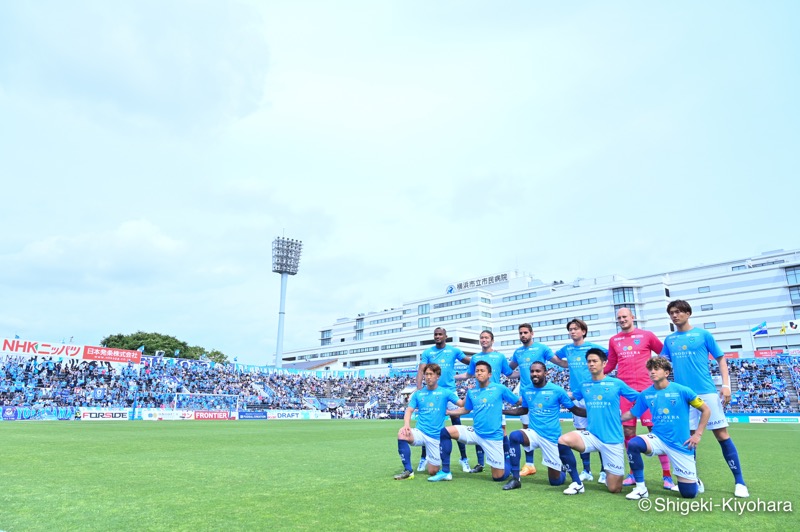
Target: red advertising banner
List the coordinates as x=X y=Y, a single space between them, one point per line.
x=727 y=354
x=767 y=353
x=111 y=354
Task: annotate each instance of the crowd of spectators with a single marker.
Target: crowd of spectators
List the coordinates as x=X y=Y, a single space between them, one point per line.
x=163 y=383
x=760 y=386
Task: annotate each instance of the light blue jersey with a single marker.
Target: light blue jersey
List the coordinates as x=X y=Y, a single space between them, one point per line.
x=670 y=410
x=446 y=359
x=544 y=405
x=497 y=361
x=525 y=356
x=688 y=351
x=431 y=406
x=486 y=405
x=575 y=355
x=602 y=406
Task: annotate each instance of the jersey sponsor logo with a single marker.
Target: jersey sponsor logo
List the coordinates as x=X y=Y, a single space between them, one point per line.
x=637 y=341
x=665 y=410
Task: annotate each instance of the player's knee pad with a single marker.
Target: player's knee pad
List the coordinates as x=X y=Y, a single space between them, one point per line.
x=688 y=490
x=516 y=437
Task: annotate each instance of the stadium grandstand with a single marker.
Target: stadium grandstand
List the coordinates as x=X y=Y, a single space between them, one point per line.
x=760 y=386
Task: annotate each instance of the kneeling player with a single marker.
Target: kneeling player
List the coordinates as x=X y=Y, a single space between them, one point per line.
x=542 y=403
x=668 y=403
x=431 y=405
x=486 y=403
x=602 y=397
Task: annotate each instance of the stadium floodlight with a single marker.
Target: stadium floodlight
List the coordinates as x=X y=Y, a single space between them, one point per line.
x=285 y=261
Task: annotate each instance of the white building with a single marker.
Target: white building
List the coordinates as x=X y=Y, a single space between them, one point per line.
x=730 y=299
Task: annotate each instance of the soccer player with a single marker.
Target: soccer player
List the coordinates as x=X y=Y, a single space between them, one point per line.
x=669 y=404
x=542 y=403
x=522 y=358
x=431 y=404
x=499 y=364
x=573 y=356
x=628 y=353
x=486 y=403
x=445 y=356
x=688 y=349
x=601 y=395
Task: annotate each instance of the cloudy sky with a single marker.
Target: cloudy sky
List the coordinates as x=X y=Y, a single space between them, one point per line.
x=150 y=152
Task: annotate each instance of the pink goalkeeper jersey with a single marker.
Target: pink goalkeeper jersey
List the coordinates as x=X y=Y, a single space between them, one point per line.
x=629 y=352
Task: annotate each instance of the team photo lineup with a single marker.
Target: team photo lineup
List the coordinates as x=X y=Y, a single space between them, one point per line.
x=667 y=386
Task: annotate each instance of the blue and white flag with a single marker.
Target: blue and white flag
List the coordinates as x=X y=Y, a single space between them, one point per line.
x=760 y=329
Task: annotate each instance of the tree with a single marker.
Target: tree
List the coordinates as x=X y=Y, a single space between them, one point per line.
x=170 y=345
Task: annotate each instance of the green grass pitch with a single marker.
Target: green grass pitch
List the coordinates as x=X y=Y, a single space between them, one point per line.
x=335 y=475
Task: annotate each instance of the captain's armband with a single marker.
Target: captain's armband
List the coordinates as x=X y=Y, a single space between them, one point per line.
x=697 y=402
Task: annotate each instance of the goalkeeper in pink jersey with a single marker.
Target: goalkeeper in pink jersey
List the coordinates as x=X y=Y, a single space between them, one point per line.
x=628 y=352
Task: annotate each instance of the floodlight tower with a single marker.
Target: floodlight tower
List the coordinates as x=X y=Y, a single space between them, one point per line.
x=285 y=261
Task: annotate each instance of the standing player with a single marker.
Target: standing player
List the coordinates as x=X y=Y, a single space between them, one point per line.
x=445 y=356
x=486 y=403
x=523 y=357
x=601 y=395
x=669 y=404
x=499 y=364
x=573 y=356
x=542 y=402
x=628 y=352
x=688 y=349
x=431 y=404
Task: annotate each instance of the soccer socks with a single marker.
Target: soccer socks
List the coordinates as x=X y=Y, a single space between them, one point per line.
x=462 y=449
x=528 y=457
x=568 y=459
x=445 y=448
x=665 y=465
x=587 y=462
x=506 y=457
x=515 y=441
x=479 y=454
x=424 y=453
x=405 y=454
x=731 y=456
x=636 y=447
x=688 y=490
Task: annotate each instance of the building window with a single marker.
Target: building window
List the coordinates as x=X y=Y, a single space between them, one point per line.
x=703 y=289
x=671 y=327
x=326 y=334
x=710 y=325
x=793 y=275
x=623 y=295
x=423 y=309
x=325 y=341
x=706 y=307
x=797 y=313
x=794 y=293
x=424 y=322
x=666 y=292
x=486 y=300
x=738 y=268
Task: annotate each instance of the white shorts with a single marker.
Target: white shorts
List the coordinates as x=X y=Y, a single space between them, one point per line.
x=613 y=453
x=550 y=457
x=717 y=419
x=431 y=446
x=684 y=465
x=580 y=422
x=492 y=449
